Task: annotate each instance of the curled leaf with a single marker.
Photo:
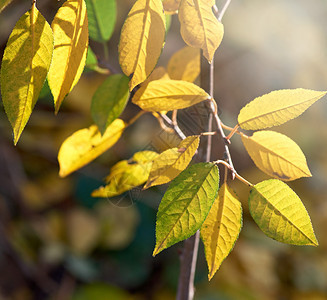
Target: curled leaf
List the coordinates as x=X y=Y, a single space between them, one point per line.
x=87 y=144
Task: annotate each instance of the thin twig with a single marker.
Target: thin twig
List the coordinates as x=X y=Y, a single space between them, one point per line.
x=223 y=10
x=175 y=127
x=238 y=176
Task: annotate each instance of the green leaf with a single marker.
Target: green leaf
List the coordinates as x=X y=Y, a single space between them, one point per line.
x=276 y=108
x=24 y=67
x=280 y=214
x=186 y=204
x=127 y=174
x=102 y=18
x=109 y=101
x=221 y=228
x=91 y=60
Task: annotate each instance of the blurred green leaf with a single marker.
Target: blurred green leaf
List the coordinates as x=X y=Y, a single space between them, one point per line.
x=109 y=101
x=99 y=291
x=102 y=18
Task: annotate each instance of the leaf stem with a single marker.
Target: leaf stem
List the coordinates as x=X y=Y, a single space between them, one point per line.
x=238 y=176
x=175 y=126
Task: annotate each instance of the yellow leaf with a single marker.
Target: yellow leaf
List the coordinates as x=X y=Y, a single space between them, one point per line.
x=127 y=174
x=172 y=162
x=199 y=26
x=276 y=155
x=276 y=108
x=221 y=228
x=87 y=144
x=142 y=38
x=70 y=29
x=165 y=95
x=24 y=67
x=171 y=6
x=185 y=64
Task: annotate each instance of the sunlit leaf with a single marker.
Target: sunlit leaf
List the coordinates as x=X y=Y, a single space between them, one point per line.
x=70 y=30
x=276 y=108
x=3 y=4
x=85 y=145
x=199 y=26
x=142 y=38
x=172 y=162
x=127 y=174
x=277 y=155
x=221 y=228
x=109 y=100
x=102 y=18
x=186 y=204
x=165 y=95
x=280 y=214
x=24 y=67
x=171 y=6
x=185 y=64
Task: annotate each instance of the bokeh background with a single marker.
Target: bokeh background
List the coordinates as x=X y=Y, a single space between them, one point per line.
x=56 y=242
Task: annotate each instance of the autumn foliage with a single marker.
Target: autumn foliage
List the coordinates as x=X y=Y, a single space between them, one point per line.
x=198 y=197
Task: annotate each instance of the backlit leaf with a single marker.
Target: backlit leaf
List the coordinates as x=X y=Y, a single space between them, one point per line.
x=3 y=4
x=221 y=228
x=142 y=38
x=277 y=155
x=109 y=100
x=172 y=162
x=127 y=174
x=186 y=204
x=70 y=48
x=280 y=214
x=185 y=64
x=171 y=6
x=102 y=18
x=24 y=67
x=165 y=95
x=85 y=145
x=276 y=108
x=199 y=26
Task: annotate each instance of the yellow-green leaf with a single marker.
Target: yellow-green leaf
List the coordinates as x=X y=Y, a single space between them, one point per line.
x=186 y=204
x=3 y=4
x=199 y=26
x=280 y=214
x=221 y=228
x=172 y=162
x=276 y=108
x=70 y=30
x=85 y=145
x=24 y=67
x=165 y=95
x=276 y=155
x=109 y=100
x=171 y=6
x=185 y=64
x=142 y=38
x=127 y=174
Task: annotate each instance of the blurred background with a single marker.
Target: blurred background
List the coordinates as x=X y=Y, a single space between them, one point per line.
x=57 y=242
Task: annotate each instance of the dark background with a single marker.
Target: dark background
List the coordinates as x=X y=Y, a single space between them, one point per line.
x=56 y=242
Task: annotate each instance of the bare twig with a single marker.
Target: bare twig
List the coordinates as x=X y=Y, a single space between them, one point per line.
x=175 y=126
x=223 y=10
